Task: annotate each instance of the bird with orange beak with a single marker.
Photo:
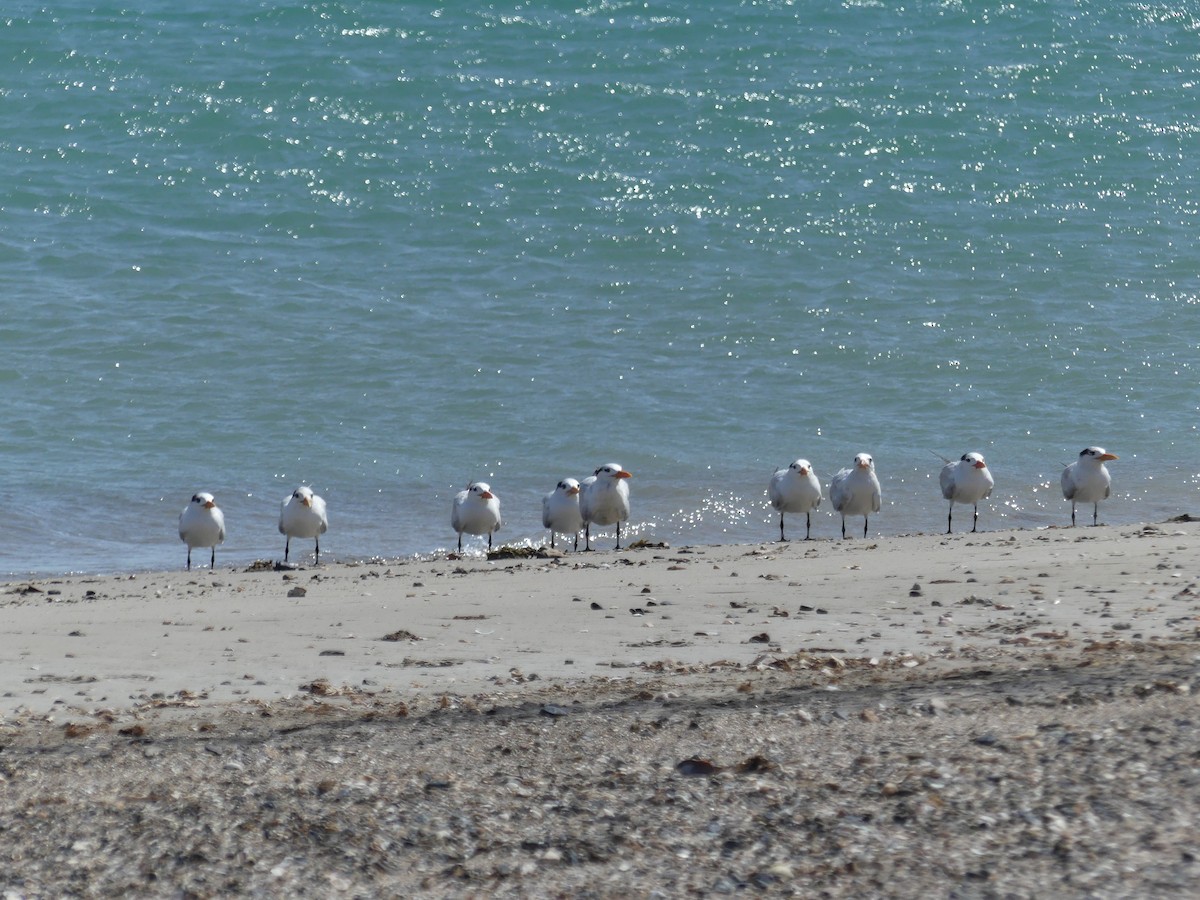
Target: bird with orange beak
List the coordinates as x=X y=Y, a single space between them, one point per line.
x=967 y=481
x=856 y=492
x=475 y=511
x=302 y=515
x=604 y=500
x=1087 y=480
x=202 y=524
x=795 y=489
x=560 y=510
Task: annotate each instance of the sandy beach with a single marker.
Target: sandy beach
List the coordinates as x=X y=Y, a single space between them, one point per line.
x=995 y=714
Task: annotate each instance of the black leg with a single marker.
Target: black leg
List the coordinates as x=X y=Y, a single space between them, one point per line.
x=212 y=561
x=975 y=520
x=287 y=546
x=577 y=541
x=587 y=537
x=189 y=559
x=618 y=547
x=460 y=542
x=1095 y=514
x=843 y=526
x=781 y=537
x=489 y=540
x=950 y=519
x=551 y=538
x=808 y=526
x=1072 y=513
x=317 y=553
x=865 y=520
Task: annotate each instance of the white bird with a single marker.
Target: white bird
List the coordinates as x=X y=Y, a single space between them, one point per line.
x=855 y=492
x=603 y=500
x=795 y=489
x=476 y=511
x=560 y=510
x=202 y=524
x=966 y=481
x=1087 y=480
x=302 y=515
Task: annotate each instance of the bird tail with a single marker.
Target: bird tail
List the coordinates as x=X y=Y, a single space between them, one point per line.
x=939 y=456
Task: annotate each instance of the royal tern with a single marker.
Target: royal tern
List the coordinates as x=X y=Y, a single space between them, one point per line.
x=202 y=524
x=476 y=511
x=1087 y=480
x=560 y=510
x=855 y=492
x=603 y=500
x=302 y=515
x=795 y=489
x=967 y=481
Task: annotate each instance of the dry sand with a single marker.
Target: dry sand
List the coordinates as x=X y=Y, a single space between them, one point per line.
x=999 y=714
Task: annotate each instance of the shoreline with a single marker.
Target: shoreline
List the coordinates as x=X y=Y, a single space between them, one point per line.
x=253 y=534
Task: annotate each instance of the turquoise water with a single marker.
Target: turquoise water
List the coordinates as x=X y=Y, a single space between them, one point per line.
x=387 y=248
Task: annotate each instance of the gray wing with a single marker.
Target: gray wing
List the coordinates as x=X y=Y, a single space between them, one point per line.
x=947 y=481
x=1068 y=482
x=837 y=489
x=774 y=490
x=585 y=497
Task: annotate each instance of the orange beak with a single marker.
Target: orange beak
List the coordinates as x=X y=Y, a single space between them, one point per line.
x=487 y=495
x=306 y=501
x=210 y=504
x=803 y=471
x=1105 y=457
x=622 y=474
x=571 y=492
x=981 y=465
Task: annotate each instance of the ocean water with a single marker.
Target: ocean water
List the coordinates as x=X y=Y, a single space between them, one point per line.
x=387 y=248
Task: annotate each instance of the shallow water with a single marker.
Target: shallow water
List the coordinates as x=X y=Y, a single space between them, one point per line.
x=385 y=249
